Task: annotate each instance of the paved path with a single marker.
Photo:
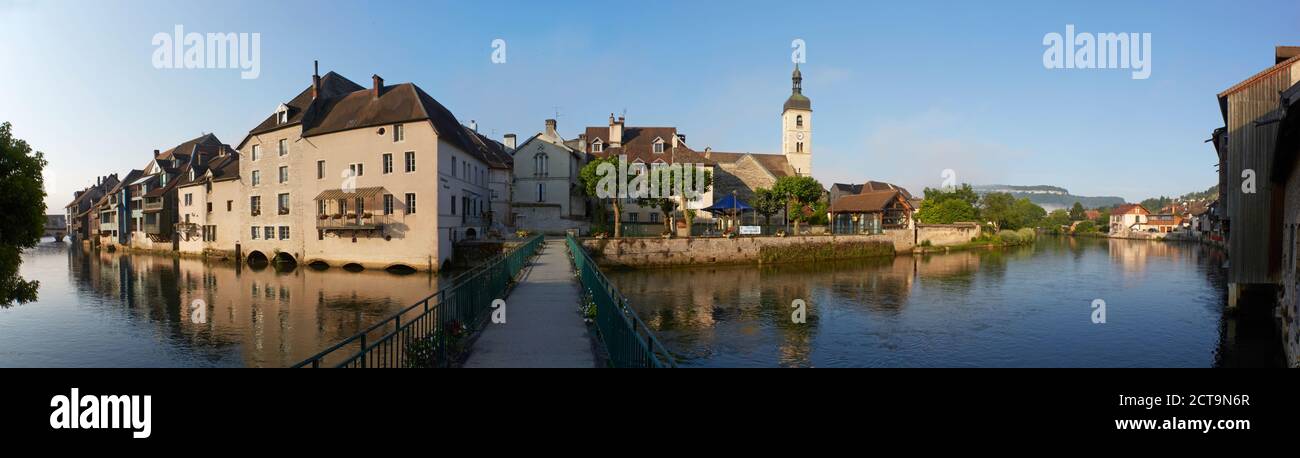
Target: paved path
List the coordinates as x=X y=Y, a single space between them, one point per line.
x=543 y=327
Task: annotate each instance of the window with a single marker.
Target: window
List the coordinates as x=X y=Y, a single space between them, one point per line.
x=798 y=147
x=284 y=174
x=388 y=204
x=387 y=166
x=654 y=217
x=255 y=233
x=361 y=206
x=320 y=207
x=410 y=161
x=399 y=132
x=453 y=205
x=189 y=199
x=541 y=192
x=540 y=163
x=410 y=203
x=257 y=152
x=320 y=170
x=798 y=121
x=269 y=232
x=596 y=146
x=633 y=217
x=255 y=205
x=659 y=146
x=257 y=177
x=357 y=169
x=230 y=205
x=284 y=232
x=453 y=166
x=209 y=207
x=284 y=203
x=284 y=146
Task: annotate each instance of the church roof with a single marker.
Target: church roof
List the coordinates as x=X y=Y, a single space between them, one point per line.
x=776 y=164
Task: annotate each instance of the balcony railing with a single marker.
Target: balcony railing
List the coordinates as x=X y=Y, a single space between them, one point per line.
x=352 y=221
x=153 y=205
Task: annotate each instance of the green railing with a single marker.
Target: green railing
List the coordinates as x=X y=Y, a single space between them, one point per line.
x=433 y=331
x=627 y=340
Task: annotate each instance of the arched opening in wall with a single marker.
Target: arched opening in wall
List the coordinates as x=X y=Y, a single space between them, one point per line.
x=400 y=269
x=318 y=265
x=471 y=234
x=284 y=261
x=353 y=267
x=257 y=259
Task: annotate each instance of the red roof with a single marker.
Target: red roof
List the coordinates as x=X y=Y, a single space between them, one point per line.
x=1130 y=209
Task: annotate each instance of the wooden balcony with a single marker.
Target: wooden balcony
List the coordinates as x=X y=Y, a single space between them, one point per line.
x=352 y=222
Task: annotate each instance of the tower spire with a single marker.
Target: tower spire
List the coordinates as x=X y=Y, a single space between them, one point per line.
x=798 y=80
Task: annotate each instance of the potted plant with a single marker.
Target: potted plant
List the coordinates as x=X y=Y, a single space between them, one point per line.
x=780 y=232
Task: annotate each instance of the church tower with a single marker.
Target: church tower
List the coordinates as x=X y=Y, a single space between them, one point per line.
x=796 y=128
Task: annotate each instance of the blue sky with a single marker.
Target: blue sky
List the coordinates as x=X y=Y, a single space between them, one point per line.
x=901 y=90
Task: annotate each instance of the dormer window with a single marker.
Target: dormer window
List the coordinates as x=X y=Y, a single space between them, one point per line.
x=282 y=114
x=659 y=146
x=597 y=146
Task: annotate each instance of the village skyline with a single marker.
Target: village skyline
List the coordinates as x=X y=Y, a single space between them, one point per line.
x=885 y=109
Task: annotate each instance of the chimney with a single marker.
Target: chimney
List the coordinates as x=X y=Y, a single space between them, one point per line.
x=615 y=131
x=582 y=142
x=510 y=142
x=379 y=85
x=315 y=79
x=155 y=154
x=551 y=129
x=1282 y=53
x=679 y=140
x=473 y=125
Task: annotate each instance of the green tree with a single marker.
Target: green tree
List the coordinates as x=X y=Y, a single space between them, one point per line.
x=22 y=199
x=682 y=195
x=798 y=192
x=1027 y=214
x=1077 y=212
x=596 y=184
x=1056 y=219
x=997 y=208
x=946 y=212
x=766 y=203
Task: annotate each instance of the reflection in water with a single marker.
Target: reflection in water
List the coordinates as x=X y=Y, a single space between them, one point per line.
x=1024 y=306
x=110 y=309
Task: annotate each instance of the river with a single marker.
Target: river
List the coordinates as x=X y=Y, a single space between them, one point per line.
x=100 y=309
x=1028 y=306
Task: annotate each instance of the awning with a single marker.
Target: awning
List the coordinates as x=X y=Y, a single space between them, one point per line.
x=363 y=193
x=727 y=204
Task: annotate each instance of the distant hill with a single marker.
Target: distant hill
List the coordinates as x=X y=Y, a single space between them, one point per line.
x=1050 y=197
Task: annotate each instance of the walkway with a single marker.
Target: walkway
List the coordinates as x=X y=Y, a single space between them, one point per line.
x=543 y=327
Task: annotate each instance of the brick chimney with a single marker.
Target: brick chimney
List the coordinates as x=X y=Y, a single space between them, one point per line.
x=315 y=79
x=615 y=131
x=510 y=142
x=551 y=129
x=378 y=85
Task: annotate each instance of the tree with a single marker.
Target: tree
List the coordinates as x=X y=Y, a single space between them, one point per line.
x=1027 y=214
x=596 y=184
x=798 y=192
x=683 y=196
x=947 y=212
x=767 y=203
x=996 y=208
x=22 y=199
x=1077 y=213
x=1056 y=219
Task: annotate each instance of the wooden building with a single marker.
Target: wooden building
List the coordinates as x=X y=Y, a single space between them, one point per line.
x=1252 y=203
x=871 y=212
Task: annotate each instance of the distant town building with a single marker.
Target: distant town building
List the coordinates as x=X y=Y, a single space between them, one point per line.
x=1127 y=217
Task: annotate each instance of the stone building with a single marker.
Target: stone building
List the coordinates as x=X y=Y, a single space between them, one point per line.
x=548 y=194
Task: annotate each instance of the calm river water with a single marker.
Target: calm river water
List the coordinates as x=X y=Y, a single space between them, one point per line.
x=99 y=309
x=1026 y=306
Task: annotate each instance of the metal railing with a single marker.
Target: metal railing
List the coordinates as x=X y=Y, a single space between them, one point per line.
x=628 y=341
x=442 y=323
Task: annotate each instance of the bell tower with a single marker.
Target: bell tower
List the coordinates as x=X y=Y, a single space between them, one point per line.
x=796 y=127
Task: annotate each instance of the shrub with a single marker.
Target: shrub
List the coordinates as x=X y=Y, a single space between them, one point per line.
x=1009 y=237
x=1027 y=234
